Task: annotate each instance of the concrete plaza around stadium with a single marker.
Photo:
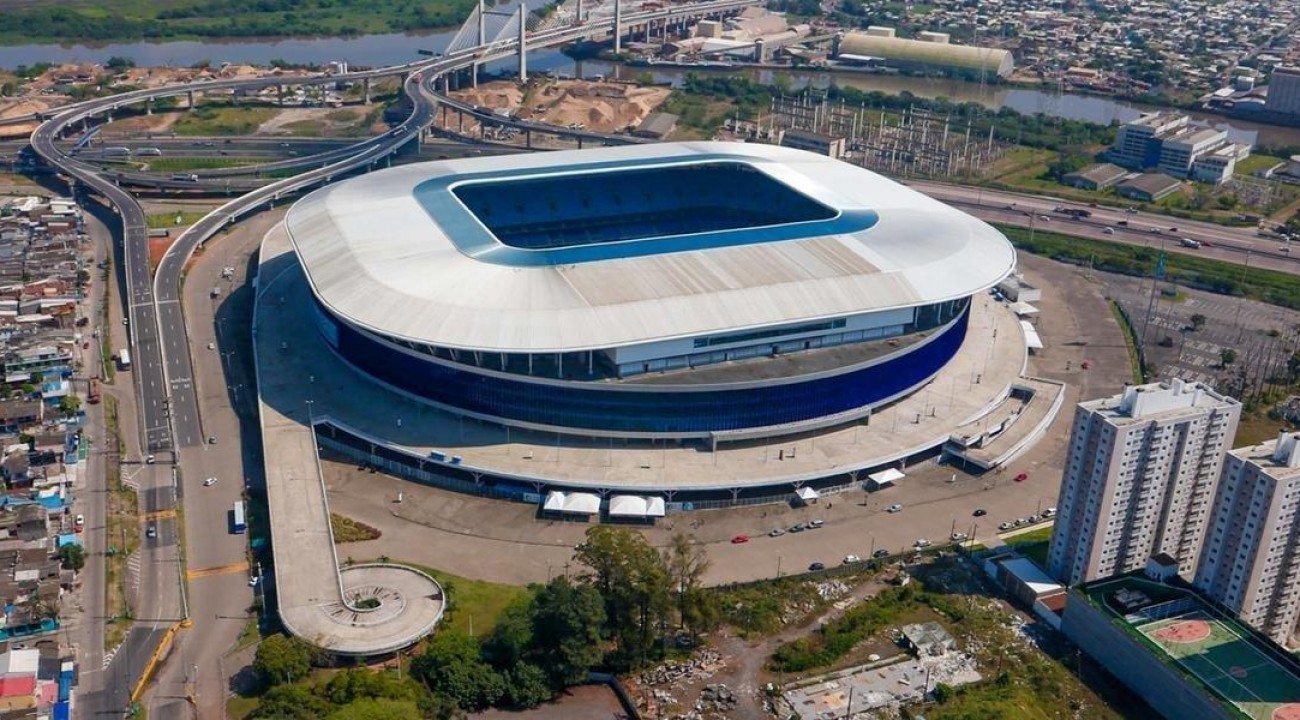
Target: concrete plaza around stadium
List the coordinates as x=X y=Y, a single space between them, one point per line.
x=301 y=375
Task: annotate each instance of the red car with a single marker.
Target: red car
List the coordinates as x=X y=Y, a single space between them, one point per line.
x=1022 y=477
x=740 y=539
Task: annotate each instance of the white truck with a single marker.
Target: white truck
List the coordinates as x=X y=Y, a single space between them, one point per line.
x=1190 y=243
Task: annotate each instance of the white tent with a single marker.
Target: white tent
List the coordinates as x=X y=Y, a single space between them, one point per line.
x=807 y=494
x=1031 y=336
x=554 y=501
x=1024 y=309
x=654 y=506
x=582 y=503
x=884 y=478
x=627 y=506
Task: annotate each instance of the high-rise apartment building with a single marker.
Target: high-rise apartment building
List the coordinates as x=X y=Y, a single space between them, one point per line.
x=1251 y=557
x=1284 y=90
x=1140 y=475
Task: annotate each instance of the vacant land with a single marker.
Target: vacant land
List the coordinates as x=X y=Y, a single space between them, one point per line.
x=27 y=21
x=209 y=120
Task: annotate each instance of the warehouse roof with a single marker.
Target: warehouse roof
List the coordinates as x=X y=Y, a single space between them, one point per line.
x=966 y=57
x=480 y=254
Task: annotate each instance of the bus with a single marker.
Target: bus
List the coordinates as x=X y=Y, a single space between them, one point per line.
x=239 y=524
x=124 y=359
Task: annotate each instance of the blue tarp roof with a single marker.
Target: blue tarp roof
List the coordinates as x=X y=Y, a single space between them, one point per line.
x=69 y=539
x=53 y=502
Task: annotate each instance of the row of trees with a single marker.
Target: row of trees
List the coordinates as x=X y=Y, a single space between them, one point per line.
x=617 y=613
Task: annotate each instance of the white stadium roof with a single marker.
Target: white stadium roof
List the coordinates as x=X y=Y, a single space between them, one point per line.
x=378 y=256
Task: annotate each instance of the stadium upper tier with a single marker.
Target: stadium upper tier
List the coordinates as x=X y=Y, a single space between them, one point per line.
x=595 y=250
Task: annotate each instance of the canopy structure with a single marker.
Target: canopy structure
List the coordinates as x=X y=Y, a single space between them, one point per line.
x=884 y=478
x=554 y=501
x=1024 y=309
x=807 y=494
x=636 y=506
x=580 y=503
x=627 y=506
x=1031 y=336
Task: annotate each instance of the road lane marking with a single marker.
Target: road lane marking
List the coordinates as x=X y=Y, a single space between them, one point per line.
x=236 y=567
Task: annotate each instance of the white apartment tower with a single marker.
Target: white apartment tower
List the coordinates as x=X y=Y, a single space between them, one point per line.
x=1140 y=475
x=1251 y=559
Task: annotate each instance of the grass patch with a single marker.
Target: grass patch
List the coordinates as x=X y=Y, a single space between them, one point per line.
x=172 y=164
x=1033 y=544
x=1270 y=286
x=1256 y=163
x=347 y=530
x=342 y=116
x=105 y=340
x=699 y=116
x=759 y=609
x=123 y=531
x=168 y=219
x=304 y=128
x=250 y=633
x=1255 y=427
x=473 y=606
x=208 y=120
x=1130 y=341
x=239 y=707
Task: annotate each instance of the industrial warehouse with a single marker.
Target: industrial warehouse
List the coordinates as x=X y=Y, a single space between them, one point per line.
x=765 y=322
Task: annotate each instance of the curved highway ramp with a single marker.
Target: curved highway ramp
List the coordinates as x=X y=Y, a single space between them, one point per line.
x=363 y=610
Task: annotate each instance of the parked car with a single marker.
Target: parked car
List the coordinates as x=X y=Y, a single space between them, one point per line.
x=210 y=482
x=881 y=553
x=850 y=559
x=79 y=523
x=814 y=524
x=980 y=512
x=922 y=543
x=151 y=532
x=737 y=540
x=895 y=508
x=817 y=566
x=1049 y=512
x=958 y=536
x=1022 y=477
x=776 y=532
x=1005 y=526
x=798 y=528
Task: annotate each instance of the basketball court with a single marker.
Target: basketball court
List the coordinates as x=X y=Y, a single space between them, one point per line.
x=1226 y=660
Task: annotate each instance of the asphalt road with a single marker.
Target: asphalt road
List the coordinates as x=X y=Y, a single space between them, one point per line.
x=1220 y=242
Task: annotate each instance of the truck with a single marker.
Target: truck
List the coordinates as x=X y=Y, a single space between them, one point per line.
x=160 y=233
x=216 y=292
x=1190 y=243
x=92 y=395
x=238 y=523
x=187 y=177
x=116 y=151
x=124 y=359
x=1072 y=212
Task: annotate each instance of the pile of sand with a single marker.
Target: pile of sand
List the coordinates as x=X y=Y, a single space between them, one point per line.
x=599 y=106
x=495 y=95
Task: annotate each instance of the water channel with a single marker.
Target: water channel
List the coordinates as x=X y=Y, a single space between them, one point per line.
x=395 y=48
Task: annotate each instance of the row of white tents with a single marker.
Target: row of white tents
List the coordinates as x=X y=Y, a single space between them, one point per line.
x=582 y=503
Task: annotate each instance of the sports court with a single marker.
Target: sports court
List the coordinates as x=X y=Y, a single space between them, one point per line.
x=1223 y=656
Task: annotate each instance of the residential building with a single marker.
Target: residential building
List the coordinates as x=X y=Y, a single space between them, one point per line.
x=1284 y=91
x=1251 y=559
x=1148 y=187
x=1140 y=474
x=1180 y=150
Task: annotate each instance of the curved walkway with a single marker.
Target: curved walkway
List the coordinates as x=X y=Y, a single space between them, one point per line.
x=363 y=610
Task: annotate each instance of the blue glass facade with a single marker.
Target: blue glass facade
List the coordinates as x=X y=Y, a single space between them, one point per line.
x=664 y=410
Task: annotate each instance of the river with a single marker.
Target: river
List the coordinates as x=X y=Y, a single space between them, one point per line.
x=395 y=48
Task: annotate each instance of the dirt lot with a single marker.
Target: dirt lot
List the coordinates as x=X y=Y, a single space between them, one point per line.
x=599 y=106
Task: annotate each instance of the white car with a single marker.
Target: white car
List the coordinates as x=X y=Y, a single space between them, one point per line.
x=850 y=559
x=894 y=508
x=921 y=543
x=958 y=536
x=212 y=346
x=210 y=482
x=814 y=524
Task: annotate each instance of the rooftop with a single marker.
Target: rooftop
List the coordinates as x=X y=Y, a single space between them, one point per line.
x=1144 y=402
x=398 y=251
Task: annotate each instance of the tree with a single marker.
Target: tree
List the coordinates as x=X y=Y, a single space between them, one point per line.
x=72 y=556
x=1227 y=356
x=512 y=637
x=119 y=64
x=452 y=666
x=527 y=686
x=377 y=709
x=290 y=702
x=1293 y=366
x=687 y=562
x=633 y=581
x=282 y=659
x=1198 y=321
x=567 y=622
x=69 y=404
x=359 y=683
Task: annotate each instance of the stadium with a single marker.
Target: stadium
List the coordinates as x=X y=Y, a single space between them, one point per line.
x=712 y=292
